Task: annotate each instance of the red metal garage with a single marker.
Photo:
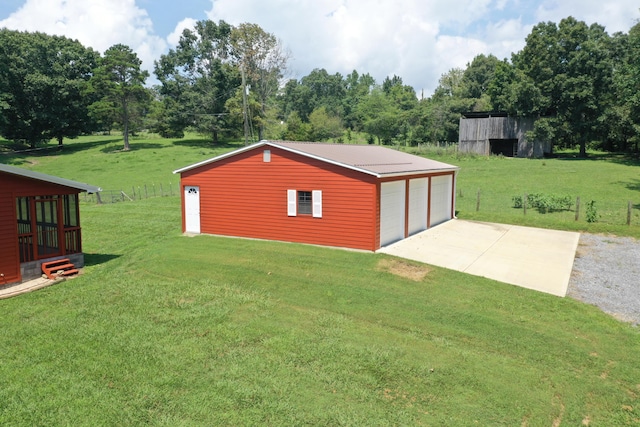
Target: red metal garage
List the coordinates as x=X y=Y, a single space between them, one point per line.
x=39 y=222
x=354 y=196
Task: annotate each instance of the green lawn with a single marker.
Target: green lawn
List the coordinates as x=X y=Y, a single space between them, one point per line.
x=164 y=329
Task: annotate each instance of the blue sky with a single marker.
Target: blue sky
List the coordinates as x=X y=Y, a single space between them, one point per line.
x=418 y=40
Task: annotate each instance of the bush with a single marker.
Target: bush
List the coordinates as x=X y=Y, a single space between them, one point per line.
x=543 y=202
x=592 y=212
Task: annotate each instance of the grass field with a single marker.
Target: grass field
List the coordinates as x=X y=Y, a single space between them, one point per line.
x=163 y=329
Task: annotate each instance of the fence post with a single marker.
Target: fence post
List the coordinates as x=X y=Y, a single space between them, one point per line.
x=161 y=191
x=98 y=198
x=478 y=201
x=577 y=208
x=146 y=193
x=629 y=213
x=170 y=189
x=133 y=192
x=154 y=189
x=525 y=199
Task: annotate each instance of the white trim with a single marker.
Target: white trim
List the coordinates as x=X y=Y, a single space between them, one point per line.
x=316 y=197
x=49 y=178
x=312 y=156
x=292 y=202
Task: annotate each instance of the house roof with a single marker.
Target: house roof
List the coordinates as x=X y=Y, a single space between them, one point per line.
x=48 y=178
x=370 y=159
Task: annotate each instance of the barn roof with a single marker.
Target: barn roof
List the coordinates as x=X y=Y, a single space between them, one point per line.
x=48 y=178
x=370 y=159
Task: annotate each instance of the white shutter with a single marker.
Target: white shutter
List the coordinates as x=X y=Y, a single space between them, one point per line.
x=292 y=202
x=316 y=198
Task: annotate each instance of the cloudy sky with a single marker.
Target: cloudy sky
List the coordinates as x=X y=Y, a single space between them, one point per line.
x=418 y=40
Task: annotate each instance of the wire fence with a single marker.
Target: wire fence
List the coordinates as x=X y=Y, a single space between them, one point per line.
x=549 y=208
x=132 y=194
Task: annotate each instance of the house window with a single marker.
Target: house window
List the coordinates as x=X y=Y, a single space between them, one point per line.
x=304 y=203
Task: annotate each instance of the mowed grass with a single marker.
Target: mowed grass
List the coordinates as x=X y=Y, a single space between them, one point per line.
x=164 y=329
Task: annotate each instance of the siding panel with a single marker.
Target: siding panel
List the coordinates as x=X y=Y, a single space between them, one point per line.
x=245 y=196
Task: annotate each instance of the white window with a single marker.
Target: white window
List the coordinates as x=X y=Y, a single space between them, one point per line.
x=301 y=202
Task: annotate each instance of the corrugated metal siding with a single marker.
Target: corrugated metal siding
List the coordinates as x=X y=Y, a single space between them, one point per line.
x=245 y=196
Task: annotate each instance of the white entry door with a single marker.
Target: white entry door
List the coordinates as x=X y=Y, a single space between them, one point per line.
x=192 y=209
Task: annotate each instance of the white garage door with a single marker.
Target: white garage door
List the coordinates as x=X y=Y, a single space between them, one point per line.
x=441 y=193
x=418 y=198
x=392 y=196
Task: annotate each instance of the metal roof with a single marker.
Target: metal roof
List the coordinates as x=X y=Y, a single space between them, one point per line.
x=370 y=159
x=48 y=178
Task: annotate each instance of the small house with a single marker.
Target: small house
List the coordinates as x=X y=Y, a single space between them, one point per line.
x=499 y=134
x=39 y=222
x=343 y=195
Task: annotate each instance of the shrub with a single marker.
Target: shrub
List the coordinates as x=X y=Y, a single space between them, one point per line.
x=543 y=202
x=592 y=212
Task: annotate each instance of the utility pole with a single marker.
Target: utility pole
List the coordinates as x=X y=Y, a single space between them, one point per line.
x=245 y=114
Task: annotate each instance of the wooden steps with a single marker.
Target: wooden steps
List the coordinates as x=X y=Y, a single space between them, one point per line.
x=58 y=268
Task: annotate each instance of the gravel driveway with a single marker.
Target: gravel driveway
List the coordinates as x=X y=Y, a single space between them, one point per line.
x=606 y=273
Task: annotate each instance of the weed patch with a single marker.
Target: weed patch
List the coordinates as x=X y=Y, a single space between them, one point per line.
x=404 y=269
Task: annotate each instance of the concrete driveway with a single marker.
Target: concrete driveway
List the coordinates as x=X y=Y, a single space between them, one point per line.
x=533 y=258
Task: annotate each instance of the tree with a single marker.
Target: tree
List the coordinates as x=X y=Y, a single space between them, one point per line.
x=324 y=126
x=198 y=79
x=443 y=109
x=119 y=81
x=358 y=88
x=564 y=73
x=624 y=117
x=476 y=80
x=297 y=130
x=43 y=87
x=264 y=61
x=380 y=116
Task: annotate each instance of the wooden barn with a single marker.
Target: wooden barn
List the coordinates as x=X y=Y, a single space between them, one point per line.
x=497 y=133
x=352 y=196
x=39 y=222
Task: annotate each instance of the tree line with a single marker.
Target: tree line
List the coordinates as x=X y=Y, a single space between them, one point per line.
x=581 y=85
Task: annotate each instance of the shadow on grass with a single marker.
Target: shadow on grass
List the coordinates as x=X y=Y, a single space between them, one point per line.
x=133 y=146
x=19 y=153
x=97 y=259
x=205 y=143
x=620 y=158
x=633 y=185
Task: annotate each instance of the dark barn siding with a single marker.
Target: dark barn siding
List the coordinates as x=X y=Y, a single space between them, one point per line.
x=476 y=134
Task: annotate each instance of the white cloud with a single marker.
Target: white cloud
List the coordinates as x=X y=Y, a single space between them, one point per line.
x=97 y=23
x=506 y=37
x=383 y=38
x=174 y=37
x=619 y=15
x=415 y=39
